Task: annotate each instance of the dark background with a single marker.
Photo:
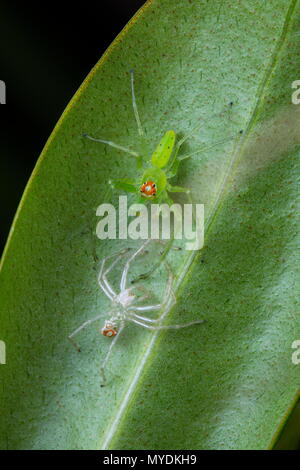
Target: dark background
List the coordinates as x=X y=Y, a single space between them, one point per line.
x=46 y=51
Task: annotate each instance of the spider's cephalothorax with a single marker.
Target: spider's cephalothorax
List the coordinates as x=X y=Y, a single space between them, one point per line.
x=148 y=189
x=121 y=305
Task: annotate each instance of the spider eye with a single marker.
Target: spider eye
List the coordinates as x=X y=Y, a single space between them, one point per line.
x=109 y=330
x=148 y=189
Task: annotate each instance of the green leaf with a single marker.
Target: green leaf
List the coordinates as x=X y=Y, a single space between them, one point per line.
x=229 y=383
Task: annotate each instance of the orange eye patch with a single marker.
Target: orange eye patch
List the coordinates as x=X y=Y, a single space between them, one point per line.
x=148 y=189
x=109 y=331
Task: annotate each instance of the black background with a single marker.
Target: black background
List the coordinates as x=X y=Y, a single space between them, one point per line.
x=46 y=51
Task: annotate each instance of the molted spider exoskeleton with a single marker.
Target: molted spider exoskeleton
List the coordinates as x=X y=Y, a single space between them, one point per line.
x=127 y=306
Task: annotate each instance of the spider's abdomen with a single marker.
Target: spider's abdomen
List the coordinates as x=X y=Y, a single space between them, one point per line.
x=162 y=154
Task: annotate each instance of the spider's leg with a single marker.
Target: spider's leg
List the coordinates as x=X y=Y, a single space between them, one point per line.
x=172 y=166
x=190 y=134
x=134 y=105
x=147 y=294
x=127 y=265
x=205 y=149
x=168 y=302
x=180 y=189
x=165 y=327
x=128 y=185
x=163 y=255
x=146 y=308
x=102 y=279
x=139 y=299
x=83 y=325
x=142 y=318
x=169 y=297
x=161 y=242
x=198 y=126
x=113 y=144
x=103 y=365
